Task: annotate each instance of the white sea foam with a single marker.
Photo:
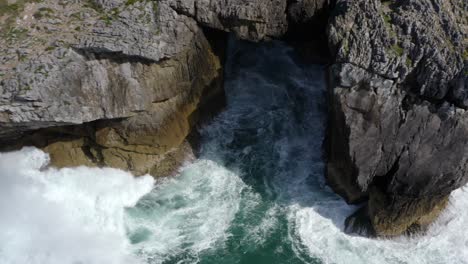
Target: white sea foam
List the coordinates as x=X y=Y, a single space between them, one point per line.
x=65 y=216
x=187 y=214
x=320 y=229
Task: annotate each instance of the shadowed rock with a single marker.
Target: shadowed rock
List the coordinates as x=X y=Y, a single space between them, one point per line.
x=398 y=136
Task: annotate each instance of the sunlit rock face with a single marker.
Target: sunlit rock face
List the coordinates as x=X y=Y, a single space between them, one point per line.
x=123 y=83
x=398 y=124
x=123 y=89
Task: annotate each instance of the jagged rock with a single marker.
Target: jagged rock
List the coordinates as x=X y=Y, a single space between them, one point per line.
x=252 y=20
x=69 y=153
x=98 y=67
x=413 y=213
x=359 y=223
x=397 y=125
x=132 y=75
x=302 y=11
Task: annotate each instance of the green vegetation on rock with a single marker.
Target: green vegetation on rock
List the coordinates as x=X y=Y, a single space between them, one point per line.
x=409 y=62
x=131 y=2
x=9 y=12
x=43 y=12
x=397 y=49
x=12 y=9
x=15 y=33
x=93 y=5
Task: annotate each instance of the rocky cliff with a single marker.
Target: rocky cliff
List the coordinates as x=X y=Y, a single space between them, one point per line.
x=398 y=120
x=122 y=83
x=115 y=83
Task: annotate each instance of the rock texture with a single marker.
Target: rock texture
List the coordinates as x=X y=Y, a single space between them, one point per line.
x=122 y=83
x=252 y=20
x=303 y=11
x=117 y=82
x=132 y=74
x=399 y=126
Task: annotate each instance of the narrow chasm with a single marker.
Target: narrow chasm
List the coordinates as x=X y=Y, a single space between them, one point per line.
x=255 y=192
x=233 y=132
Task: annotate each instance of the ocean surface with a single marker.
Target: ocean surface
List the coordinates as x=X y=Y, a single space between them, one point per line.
x=255 y=195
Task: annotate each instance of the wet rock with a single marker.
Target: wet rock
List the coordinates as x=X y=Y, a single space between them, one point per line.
x=359 y=223
x=393 y=215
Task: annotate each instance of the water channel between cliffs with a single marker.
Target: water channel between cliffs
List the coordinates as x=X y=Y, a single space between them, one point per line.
x=256 y=194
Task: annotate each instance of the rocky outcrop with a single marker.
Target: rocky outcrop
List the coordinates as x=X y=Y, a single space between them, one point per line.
x=398 y=124
x=252 y=20
x=122 y=82
x=117 y=82
x=304 y=11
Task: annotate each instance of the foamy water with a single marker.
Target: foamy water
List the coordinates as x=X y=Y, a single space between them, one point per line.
x=445 y=242
x=255 y=195
x=64 y=216
x=185 y=215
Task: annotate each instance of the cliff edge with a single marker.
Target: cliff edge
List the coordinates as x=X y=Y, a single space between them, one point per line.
x=122 y=83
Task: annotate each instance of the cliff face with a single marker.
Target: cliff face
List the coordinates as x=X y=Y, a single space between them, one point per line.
x=398 y=129
x=115 y=83
x=122 y=83
x=252 y=20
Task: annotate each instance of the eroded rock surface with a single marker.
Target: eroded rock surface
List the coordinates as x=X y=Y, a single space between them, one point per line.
x=252 y=20
x=131 y=74
x=398 y=119
x=121 y=83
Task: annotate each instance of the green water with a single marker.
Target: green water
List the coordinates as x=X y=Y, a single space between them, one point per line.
x=269 y=138
x=256 y=194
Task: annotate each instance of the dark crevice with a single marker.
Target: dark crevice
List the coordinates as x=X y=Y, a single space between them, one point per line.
x=370 y=71
x=411 y=85
x=43 y=137
x=308 y=34
x=118 y=57
x=163 y=100
x=383 y=182
x=218 y=42
x=87 y=150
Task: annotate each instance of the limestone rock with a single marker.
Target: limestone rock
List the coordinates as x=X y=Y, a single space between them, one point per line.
x=122 y=82
x=302 y=11
x=69 y=153
x=252 y=20
x=398 y=121
x=412 y=213
x=97 y=63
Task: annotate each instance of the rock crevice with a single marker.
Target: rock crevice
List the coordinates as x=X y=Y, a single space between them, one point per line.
x=122 y=83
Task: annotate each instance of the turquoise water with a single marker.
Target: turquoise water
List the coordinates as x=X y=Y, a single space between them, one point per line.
x=260 y=157
x=256 y=194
